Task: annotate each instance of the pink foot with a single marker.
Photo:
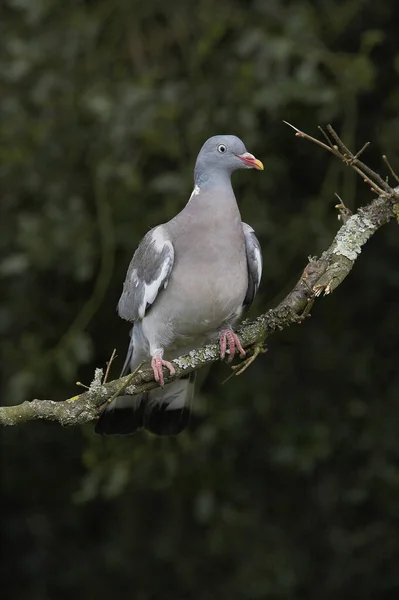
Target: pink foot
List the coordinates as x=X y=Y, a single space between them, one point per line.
x=157 y=363
x=227 y=336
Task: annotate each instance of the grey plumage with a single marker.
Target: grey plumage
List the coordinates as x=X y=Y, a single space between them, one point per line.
x=189 y=279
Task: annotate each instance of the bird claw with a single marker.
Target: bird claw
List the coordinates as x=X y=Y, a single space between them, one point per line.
x=157 y=363
x=228 y=337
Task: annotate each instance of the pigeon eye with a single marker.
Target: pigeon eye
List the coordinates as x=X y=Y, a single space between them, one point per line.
x=222 y=148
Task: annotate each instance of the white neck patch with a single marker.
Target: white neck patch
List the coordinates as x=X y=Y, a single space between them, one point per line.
x=195 y=192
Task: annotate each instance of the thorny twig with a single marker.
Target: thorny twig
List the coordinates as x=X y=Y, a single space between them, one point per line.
x=339 y=149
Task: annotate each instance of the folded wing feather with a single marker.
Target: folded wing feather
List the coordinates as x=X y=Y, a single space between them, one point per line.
x=148 y=273
x=254 y=264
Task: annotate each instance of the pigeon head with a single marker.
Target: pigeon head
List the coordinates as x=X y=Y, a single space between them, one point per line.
x=220 y=156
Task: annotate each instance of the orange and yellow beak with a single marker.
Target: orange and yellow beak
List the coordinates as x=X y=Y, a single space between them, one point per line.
x=250 y=161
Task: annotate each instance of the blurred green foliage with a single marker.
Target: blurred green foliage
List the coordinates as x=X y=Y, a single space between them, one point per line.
x=287 y=483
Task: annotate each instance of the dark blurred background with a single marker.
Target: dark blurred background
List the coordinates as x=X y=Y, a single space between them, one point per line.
x=286 y=485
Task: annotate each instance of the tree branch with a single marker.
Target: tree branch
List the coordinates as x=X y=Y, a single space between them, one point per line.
x=321 y=275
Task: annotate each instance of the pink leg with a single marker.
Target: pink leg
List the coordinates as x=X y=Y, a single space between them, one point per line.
x=157 y=363
x=227 y=336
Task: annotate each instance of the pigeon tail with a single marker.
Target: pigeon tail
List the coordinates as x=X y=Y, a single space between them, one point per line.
x=163 y=411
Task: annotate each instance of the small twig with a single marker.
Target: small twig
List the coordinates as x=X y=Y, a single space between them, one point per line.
x=386 y=161
x=327 y=138
x=339 y=142
x=384 y=186
x=305 y=136
x=306 y=311
x=126 y=384
x=80 y=384
x=243 y=366
x=362 y=169
x=344 y=211
x=362 y=149
x=109 y=363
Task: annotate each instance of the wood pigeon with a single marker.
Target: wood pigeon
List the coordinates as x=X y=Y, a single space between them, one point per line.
x=187 y=284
